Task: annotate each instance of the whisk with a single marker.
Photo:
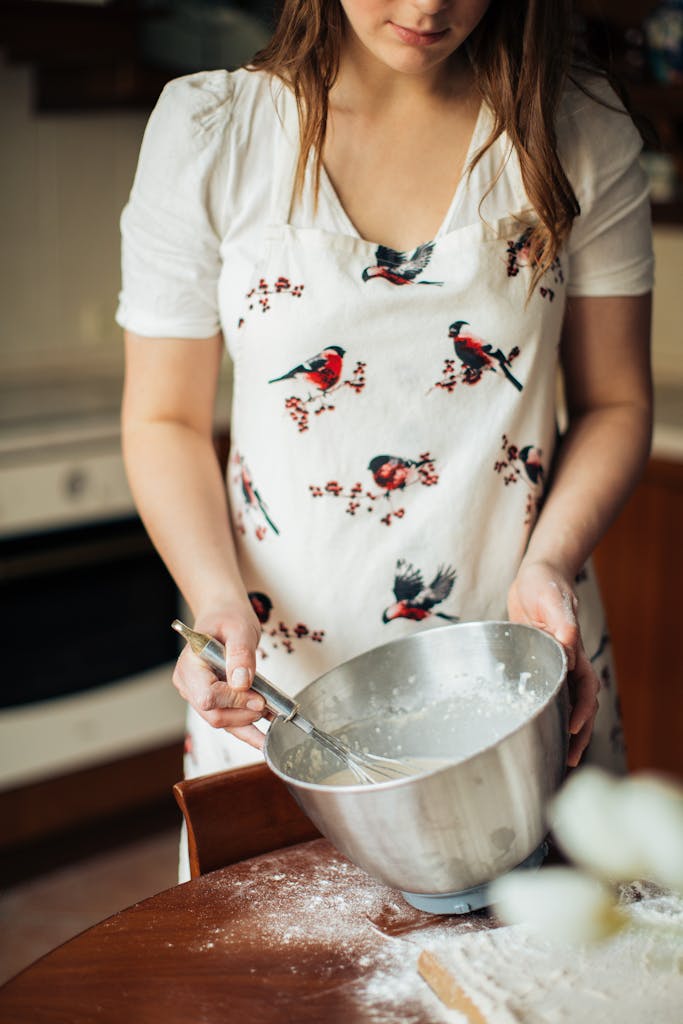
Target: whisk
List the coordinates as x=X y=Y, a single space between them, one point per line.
x=367 y=768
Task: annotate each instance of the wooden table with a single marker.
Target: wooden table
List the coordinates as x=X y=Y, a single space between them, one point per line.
x=299 y=935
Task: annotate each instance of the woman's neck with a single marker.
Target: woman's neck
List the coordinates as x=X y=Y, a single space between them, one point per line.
x=365 y=83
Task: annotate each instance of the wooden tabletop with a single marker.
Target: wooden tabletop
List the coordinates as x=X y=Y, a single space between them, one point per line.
x=299 y=935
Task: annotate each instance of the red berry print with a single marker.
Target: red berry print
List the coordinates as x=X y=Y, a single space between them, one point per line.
x=320 y=376
x=523 y=464
x=357 y=379
x=474 y=358
x=260 y=295
x=519 y=255
x=392 y=475
x=281 y=636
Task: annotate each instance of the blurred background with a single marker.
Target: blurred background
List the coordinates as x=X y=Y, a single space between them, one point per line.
x=91 y=731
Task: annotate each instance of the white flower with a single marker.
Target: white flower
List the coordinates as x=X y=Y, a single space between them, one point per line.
x=622 y=829
x=652 y=807
x=562 y=903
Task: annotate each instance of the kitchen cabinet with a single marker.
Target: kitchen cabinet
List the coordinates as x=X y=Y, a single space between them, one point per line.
x=119 y=54
x=640 y=567
x=613 y=31
x=83 y=56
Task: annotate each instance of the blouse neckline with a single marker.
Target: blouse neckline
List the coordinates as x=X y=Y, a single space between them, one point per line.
x=448 y=223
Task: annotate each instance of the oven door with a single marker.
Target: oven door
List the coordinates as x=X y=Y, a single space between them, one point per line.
x=88 y=649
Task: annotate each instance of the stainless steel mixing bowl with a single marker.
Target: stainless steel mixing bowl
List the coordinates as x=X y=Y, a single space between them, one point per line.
x=493 y=696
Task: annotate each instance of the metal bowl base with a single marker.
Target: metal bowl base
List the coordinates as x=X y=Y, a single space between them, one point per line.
x=467 y=900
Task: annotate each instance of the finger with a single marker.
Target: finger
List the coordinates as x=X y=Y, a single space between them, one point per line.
x=219 y=696
x=249 y=734
x=240 y=655
x=191 y=675
x=198 y=684
x=229 y=718
x=578 y=743
x=585 y=685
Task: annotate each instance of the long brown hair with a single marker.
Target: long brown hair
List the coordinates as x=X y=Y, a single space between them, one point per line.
x=521 y=54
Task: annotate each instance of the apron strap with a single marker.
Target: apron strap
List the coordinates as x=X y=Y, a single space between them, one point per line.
x=286 y=158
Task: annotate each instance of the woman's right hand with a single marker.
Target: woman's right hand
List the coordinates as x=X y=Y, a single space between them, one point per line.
x=232 y=705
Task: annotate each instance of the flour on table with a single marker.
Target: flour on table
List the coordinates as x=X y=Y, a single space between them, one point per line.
x=303 y=928
x=514 y=975
x=319 y=924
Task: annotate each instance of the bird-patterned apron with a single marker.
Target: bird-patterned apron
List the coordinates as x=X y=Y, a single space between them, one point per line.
x=393 y=427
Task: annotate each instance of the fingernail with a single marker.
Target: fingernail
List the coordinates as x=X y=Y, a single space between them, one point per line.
x=255 y=705
x=240 y=677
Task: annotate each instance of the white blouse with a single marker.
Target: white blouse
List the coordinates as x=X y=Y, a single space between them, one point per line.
x=198 y=209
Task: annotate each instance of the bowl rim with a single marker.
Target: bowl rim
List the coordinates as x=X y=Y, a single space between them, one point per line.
x=354 y=787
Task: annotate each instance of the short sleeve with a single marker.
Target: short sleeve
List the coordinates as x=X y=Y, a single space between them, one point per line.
x=610 y=246
x=170 y=258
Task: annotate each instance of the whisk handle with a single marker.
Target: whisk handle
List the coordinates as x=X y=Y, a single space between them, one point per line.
x=278 y=701
x=213 y=653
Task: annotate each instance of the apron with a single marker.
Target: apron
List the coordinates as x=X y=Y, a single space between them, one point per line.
x=393 y=427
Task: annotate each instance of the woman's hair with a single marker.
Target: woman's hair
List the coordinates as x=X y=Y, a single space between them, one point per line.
x=521 y=54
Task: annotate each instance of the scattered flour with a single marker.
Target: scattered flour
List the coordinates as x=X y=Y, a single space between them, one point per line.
x=306 y=932
x=306 y=924
x=514 y=975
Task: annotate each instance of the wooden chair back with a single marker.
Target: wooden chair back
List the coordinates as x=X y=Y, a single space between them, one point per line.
x=237 y=814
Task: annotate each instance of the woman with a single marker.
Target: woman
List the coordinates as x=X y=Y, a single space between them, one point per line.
x=397 y=219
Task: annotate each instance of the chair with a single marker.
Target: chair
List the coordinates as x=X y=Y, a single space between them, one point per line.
x=238 y=814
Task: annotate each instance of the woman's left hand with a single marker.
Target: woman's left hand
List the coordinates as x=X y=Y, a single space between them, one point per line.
x=542 y=596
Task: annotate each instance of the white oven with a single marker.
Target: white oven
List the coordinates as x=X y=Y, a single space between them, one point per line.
x=86 y=602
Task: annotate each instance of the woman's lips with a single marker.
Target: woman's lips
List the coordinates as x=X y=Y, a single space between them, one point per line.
x=408 y=35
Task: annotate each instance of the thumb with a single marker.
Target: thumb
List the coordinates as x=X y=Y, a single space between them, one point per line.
x=560 y=617
x=241 y=641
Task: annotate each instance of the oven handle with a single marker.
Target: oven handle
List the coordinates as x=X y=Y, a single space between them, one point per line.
x=73 y=555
